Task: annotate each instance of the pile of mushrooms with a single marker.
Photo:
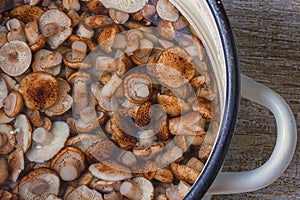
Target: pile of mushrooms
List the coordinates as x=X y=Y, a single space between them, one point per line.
x=102 y=99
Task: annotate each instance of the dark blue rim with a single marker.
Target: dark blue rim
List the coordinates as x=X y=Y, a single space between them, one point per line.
x=231 y=106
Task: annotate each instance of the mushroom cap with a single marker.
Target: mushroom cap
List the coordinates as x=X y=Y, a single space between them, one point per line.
x=13 y=104
x=166 y=10
x=125 y=6
x=4 y=170
x=40 y=90
x=64 y=102
x=83 y=141
x=65 y=155
x=174 y=67
x=110 y=171
x=24 y=134
x=3 y=91
x=83 y=192
x=67 y=59
x=61 y=19
x=147 y=189
x=16 y=164
x=39 y=184
x=26 y=13
x=172 y=104
x=79 y=75
x=138 y=87
x=185 y=173
x=15 y=57
x=4 y=119
x=11 y=139
x=60 y=131
x=39 y=63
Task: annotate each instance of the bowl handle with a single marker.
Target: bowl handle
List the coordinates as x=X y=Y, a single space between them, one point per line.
x=239 y=182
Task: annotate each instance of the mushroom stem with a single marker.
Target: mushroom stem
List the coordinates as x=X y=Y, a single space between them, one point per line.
x=3 y=139
x=32 y=32
x=39 y=187
x=146 y=138
x=50 y=29
x=114 y=82
x=69 y=170
x=80 y=95
x=42 y=136
x=16 y=30
x=88 y=114
x=131 y=191
x=85 y=31
x=79 y=49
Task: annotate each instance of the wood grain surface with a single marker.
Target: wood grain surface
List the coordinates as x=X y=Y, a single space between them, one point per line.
x=267 y=35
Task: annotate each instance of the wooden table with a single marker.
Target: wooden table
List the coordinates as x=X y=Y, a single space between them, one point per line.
x=267 y=35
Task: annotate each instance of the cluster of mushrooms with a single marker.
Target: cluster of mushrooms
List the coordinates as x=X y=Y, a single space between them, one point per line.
x=102 y=99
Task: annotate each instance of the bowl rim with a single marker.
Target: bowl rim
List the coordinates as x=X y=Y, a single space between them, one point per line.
x=231 y=105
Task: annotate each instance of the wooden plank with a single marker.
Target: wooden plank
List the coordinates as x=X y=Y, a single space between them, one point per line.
x=267 y=35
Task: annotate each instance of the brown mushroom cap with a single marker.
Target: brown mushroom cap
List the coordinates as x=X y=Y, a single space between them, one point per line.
x=172 y=105
x=40 y=90
x=83 y=192
x=69 y=163
x=4 y=171
x=125 y=6
x=64 y=102
x=15 y=57
x=55 y=16
x=26 y=13
x=60 y=133
x=174 y=67
x=3 y=91
x=110 y=171
x=13 y=104
x=39 y=184
x=24 y=132
x=16 y=164
x=7 y=140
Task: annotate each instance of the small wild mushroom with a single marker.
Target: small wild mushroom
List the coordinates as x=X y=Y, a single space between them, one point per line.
x=4 y=171
x=16 y=164
x=47 y=61
x=189 y=124
x=138 y=87
x=83 y=192
x=110 y=171
x=26 y=13
x=7 y=140
x=125 y=6
x=89 y=120
x=97 y=21
x=85 y=31
x=107 y=37
x=13 y=104
x=80 y=93
x=174 y=106
x=39 y=184
x=35 y=40
x=69 y=163
x=75 y=58
x=166 y=10
x=40 y=90
x=48 y=144
x=111 y=86
x=83 y=141
x=23 y=132
x=185 y=173
x=100 y=150
x=56 y=26
x=164 y=175
x=15 y=58
x=64 y=102
x=16 y=30
x=137 y=189
x=119 y=17
x=178 y=192
x=3 y=91
x=174 y=67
